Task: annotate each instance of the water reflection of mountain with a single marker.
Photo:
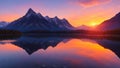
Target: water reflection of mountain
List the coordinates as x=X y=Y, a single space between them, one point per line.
x=114 y=46
x=32 y=44
x=111 y=43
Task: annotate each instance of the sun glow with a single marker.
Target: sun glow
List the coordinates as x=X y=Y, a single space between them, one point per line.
x=93 y=24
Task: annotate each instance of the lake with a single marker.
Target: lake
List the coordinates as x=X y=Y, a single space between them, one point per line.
x=59 y=52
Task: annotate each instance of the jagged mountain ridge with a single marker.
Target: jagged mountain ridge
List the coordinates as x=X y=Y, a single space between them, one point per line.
x=33 y=21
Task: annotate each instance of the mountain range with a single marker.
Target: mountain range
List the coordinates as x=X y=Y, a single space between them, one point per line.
x=33 y=21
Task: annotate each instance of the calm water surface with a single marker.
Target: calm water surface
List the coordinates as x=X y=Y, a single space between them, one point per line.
x=54 y=52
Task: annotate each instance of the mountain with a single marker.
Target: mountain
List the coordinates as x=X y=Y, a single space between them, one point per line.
x=111 y=45
x=3 y=24
x=111 y=24
x=33 y=21
x=84 y=27
x=32 y=44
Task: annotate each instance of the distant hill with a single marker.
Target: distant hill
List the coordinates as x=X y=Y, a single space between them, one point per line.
x=84 y=27
x=3 y=24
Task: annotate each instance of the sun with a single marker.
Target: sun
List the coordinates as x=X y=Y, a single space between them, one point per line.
x=93 y=24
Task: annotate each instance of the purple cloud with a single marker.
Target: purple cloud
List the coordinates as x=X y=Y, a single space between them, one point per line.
x=90 y=3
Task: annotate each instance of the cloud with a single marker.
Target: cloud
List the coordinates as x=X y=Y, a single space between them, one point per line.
x=90 y=3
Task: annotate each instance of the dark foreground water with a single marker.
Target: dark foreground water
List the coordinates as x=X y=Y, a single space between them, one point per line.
x=59 y=52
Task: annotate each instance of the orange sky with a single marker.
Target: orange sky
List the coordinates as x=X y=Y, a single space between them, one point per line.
x=77 y=12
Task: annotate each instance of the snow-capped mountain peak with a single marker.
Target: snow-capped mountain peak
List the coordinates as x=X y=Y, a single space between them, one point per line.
x=47 y=18
x=30 y=12
x=40 y=15
x=118 y=15
x=56 y=17
x=64 y=20
x=56 y=20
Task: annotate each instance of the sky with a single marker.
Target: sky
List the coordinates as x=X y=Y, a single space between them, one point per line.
x=77 y=12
